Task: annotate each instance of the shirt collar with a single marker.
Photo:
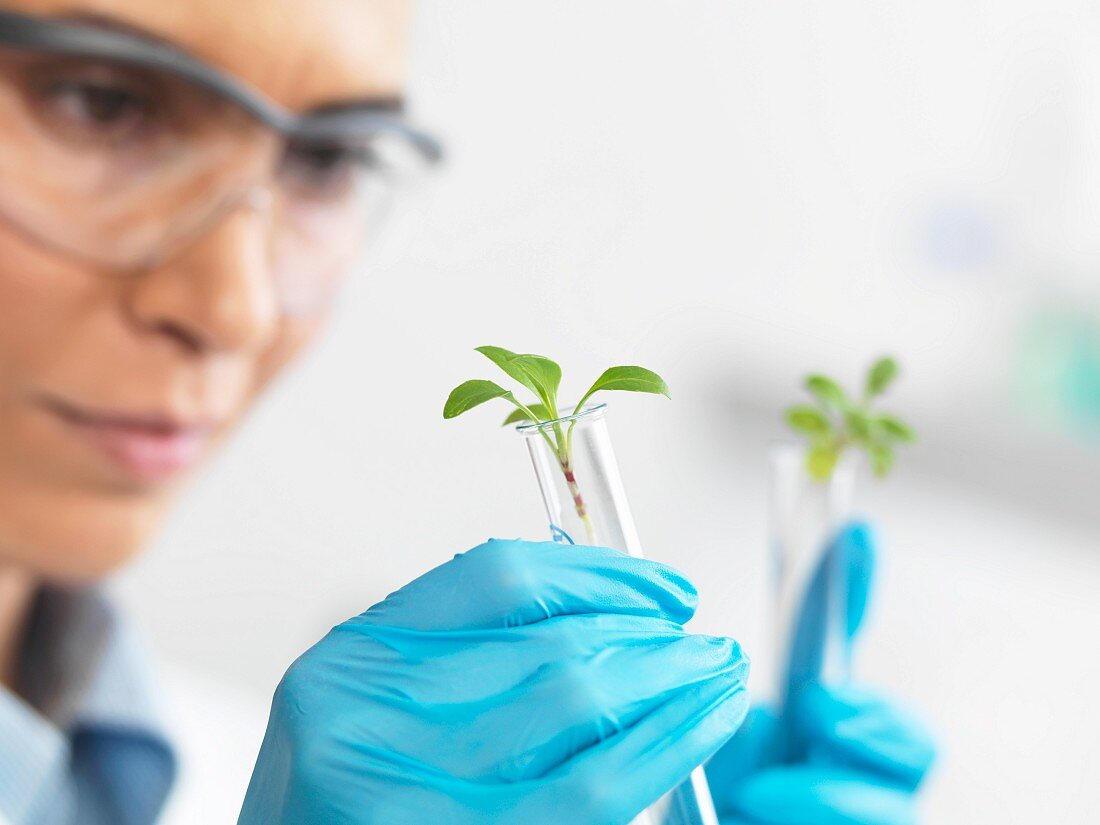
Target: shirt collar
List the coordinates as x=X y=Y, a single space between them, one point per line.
x=84 y=667
x=82 y=672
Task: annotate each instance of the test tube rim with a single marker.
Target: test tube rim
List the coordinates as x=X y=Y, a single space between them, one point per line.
x=590 y=412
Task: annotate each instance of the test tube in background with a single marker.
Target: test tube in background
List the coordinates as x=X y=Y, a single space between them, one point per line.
x=804 y=517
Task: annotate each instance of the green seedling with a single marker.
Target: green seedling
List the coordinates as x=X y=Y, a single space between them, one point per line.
x=542 y=377
x=835 y=422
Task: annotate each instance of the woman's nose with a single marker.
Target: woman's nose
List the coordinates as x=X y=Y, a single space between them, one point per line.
x=218 y=295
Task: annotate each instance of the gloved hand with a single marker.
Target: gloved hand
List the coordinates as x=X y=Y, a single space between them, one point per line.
x=838 y=755
x=518 y=682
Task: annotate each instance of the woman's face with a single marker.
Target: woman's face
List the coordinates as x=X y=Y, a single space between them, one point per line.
x=111 y=388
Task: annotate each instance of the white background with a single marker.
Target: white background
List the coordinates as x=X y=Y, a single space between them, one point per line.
x=732 y=194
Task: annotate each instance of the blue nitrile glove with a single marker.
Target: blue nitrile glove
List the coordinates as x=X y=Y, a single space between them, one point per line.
x=840 y=755
x=518 y=682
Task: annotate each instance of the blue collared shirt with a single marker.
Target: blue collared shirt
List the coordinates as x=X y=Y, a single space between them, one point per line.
x=86 y=746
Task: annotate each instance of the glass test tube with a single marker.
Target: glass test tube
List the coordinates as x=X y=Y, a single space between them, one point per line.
x=804 y=516
x=586 y=504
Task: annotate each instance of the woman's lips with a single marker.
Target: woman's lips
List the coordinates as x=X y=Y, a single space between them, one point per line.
x=149 y=448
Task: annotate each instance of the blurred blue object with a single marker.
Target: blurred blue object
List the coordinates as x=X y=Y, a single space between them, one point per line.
x=518 y=682
x=835 y=754
x=958 y=235
x=1058 y=371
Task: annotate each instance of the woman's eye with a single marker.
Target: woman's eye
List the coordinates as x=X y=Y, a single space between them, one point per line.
x=323 y=171
x=98 y=110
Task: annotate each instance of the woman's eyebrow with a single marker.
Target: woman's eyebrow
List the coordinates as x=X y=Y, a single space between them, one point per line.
x=381 y=103
x=116 y=24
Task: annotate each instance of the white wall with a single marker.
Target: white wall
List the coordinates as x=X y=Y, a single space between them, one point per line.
x=732 y=194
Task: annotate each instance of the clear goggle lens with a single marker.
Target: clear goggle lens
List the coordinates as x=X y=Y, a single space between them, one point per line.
x=126 y=166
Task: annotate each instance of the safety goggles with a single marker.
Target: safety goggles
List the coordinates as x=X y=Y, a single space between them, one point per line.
x=122 y=151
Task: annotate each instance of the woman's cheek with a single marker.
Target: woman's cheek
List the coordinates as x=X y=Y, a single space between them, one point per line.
x=293 y=338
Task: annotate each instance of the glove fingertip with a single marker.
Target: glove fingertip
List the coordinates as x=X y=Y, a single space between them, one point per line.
x=859 y=534
x=856 y=541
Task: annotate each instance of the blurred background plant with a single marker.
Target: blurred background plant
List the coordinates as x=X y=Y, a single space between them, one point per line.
x=839 y=421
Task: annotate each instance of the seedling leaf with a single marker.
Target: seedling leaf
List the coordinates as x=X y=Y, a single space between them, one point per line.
x=503 y=358
x=808 y=420
x=895 y=429
x=470 y=394
x=629 y=379
x=827 y=391
x=547 y=377
x=859 y=426
x=536 y=372
x=880 y=375
x=821 y=460
x=881 y=457
x=539 y=410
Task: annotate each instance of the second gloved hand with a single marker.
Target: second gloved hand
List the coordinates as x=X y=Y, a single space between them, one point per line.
x=519 y=682
x=836 y=754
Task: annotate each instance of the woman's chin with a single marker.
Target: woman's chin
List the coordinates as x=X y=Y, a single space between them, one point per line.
x=73 y=538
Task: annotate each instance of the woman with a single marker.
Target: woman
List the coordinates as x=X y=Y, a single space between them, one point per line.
x=182 y=187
